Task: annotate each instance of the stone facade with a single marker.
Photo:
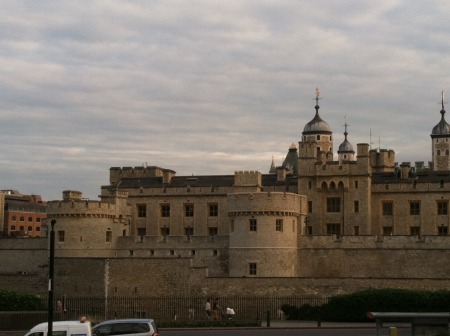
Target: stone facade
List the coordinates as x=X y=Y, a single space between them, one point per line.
x=314 y=225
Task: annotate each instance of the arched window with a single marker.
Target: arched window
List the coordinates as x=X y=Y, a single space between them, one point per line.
x=318 y=137
x=438 y=152
x=332 y=186
x=324 y=185
x=341 y=185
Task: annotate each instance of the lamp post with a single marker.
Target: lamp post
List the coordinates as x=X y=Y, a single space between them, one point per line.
x=51 y=272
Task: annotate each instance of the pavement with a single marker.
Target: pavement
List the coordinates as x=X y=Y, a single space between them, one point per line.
x=289 y=324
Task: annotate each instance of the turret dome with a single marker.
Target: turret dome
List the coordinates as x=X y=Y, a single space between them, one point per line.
x=317 y=124
x=442 y=127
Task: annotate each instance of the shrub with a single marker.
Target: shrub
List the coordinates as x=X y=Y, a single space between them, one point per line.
x=354 y=307
x=15 y=301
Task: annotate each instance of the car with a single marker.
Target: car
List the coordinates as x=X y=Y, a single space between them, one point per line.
x=63 y=328
x=129 y=327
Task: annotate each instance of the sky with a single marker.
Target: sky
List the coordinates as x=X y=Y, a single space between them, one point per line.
x=209 y=87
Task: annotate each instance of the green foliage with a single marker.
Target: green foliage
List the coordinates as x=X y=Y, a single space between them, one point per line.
x=15 y=301
x=354 y=307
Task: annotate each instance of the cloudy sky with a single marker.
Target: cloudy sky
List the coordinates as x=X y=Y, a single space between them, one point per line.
x=209 y=87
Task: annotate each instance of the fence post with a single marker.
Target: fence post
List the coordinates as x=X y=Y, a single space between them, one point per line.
x=268 y=318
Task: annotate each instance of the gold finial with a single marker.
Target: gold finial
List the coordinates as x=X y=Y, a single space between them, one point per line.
x=317 y=93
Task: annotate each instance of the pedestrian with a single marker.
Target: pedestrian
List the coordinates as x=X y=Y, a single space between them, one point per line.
x=208 y=308
x=216 y=309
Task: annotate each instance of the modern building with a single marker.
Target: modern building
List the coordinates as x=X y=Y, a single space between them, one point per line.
x=23 y=215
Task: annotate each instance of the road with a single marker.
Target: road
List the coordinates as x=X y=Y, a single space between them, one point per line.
x=284 y=332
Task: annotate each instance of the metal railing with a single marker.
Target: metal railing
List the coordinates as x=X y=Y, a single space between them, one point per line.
x=158 y=308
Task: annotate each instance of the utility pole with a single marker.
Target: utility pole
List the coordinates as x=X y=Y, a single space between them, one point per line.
x=51 y=272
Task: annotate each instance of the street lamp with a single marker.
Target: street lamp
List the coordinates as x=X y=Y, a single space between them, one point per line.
x=51 y=272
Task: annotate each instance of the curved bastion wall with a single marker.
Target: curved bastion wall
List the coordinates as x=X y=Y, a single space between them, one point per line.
x=263 y=233
x=88 y=228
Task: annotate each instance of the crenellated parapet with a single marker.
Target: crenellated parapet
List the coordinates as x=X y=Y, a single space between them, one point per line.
x=265 y=203
x=117 y=173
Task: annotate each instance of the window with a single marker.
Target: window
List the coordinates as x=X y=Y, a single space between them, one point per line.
x=310 y=208
x=334 y=204
x=61 y=236
x=38 y=220
x=165 y=231
x=213 y=210
x=356 y=230
x=309 y=230
x=108 y=236
x=165 y=210
x=387 y=231
x=30 y=228
x=189 y=210
x=252 y=223
x=356 y=206
x=414 y=208
x=279 y=225
x=442 y=207
x=213 y=231
x=414 y=230
x=13 y=228
x=188 y=231
x=252 y=268
x=22 y=219
x=141 y=231
x=356 y=184
x=442 y=230
x=30 y=219
x=387 y=208
x=22 y=228
x=334 y=229
x=142 y=210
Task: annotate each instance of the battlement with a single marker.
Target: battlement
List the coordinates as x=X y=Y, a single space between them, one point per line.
x=80 y=208
x=246 y=178
x=117 y=173
x=280 y=203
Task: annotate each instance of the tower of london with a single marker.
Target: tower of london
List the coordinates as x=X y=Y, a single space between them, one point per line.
x=311 y=225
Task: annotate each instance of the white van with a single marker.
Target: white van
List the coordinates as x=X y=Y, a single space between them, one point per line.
x=63 y=328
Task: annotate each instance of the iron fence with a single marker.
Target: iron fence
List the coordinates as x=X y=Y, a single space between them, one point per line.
x=180 y=308
x=158 y=308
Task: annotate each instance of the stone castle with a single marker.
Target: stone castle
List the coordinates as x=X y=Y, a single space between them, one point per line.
x=313 y=225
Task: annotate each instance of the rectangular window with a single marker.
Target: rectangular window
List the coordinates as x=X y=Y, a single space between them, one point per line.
x=387 y=208
x=334 y=204
x=279 y=225
x=387 y=231
x=165 y=231
x=142 y=210
x=310 y=208
x=189 y=231
x=414 y=208
x=414 y=230
x=356 y=184
x=108 y=236
x=252 y=268
x=61 y=236
x=252 y=224
x=442 y=230
x=334 y=229
x=356 y=206
x=165 y=210
x=442 y=207
x=213 y=210
x=189 y=210
x=141 y=231
x=213 y=231
x=356 y=230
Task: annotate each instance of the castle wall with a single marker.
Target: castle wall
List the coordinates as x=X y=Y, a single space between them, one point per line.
x=264 y=233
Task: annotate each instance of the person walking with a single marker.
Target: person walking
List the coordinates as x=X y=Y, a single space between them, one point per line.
x=208 y=308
